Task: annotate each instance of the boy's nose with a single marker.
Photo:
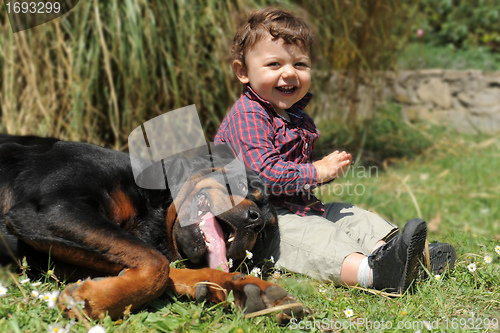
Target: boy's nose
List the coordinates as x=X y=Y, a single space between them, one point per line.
x=288 y=72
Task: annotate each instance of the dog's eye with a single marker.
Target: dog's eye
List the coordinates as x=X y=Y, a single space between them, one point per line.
x=242 y=187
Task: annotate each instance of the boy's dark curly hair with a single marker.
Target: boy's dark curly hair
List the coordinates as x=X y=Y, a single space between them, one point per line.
x=276 y=22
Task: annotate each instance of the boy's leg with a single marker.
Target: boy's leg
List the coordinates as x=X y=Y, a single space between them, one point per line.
x=364 y=227
x=311 y=245
x=316 y=247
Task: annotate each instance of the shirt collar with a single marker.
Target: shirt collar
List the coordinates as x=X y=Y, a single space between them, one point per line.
x=300 y=105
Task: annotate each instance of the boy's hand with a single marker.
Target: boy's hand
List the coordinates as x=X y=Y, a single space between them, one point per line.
x=332 y=166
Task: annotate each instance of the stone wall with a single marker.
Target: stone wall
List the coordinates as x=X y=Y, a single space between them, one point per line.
x=468 y=101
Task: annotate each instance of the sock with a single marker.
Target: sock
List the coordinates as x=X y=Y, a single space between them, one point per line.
x=365 y=274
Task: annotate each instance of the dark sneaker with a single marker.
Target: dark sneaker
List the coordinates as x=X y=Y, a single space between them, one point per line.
x=442 y=257
x=396 y=264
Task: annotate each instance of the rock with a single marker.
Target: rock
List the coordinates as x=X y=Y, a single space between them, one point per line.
x=414 y=113
x=435 y=91
x=486 y=124
x=404 y=75
x=405 y=96
x=457 y=119
x=454 y=75
x=484 y=101
x=492 y=79
x=431 y=73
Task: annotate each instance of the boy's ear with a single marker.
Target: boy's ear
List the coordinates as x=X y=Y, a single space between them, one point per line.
x=240 y=70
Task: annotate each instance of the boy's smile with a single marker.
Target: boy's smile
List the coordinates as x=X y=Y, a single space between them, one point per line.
x=279 y=73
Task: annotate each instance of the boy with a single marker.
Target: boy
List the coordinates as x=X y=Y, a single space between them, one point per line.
x=275 y=137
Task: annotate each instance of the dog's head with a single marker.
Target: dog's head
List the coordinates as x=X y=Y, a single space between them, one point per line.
x=219 y=209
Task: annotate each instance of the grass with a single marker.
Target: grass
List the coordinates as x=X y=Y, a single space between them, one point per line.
x=422 y=56
x=453 y=185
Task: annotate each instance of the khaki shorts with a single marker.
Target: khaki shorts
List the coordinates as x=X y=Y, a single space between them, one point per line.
x=317 y=246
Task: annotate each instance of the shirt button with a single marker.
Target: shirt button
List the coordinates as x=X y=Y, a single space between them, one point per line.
x=307 y=145
x=307 y=186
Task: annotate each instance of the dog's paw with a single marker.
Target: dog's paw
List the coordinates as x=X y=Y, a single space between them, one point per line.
x=273 y=297
x=68 y=303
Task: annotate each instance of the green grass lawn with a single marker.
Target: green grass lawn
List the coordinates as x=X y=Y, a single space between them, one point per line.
x=454 y=185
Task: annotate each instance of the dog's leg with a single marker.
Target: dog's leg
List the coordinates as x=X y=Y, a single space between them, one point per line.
x=250 y=293
x=81 y=236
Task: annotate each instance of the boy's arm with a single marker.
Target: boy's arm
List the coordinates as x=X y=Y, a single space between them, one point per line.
x=251 y=134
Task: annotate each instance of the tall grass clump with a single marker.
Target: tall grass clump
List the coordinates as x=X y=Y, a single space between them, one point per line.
x=106 y=67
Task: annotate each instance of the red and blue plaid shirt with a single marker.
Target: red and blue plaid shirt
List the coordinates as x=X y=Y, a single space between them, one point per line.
x=278 y=150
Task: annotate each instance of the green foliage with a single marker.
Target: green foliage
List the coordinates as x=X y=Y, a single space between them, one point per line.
x=384 y=136
x=108 y=66
x=421 y=56
x=463 y=23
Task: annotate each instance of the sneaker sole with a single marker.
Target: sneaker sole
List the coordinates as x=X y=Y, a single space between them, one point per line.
x=442 y=258
x=414 y=253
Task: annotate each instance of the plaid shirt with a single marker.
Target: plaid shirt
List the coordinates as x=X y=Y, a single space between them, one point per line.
x=279 y=151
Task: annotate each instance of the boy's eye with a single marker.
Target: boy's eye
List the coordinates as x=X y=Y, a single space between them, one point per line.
x=301 y=64
x=273 y=64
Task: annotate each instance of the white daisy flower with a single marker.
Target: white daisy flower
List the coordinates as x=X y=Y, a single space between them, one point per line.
x=3 y=290
x=272 y=259
x=249 y=254
x=488 y=259
x=256 y=271
x=230 y=263
x=25 y=281
x=36 y=284
x=276 y=274
x=56 y=328
x=437 y=277
x=497 y=249
x=348 y=313
x=471 y=267
x=50 y=298
x=97 y=329
x=35 y=294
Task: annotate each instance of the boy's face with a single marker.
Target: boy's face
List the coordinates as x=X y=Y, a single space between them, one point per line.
x=279 y=73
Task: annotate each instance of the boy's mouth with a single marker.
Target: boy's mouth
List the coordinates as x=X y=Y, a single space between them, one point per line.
x=289 y=90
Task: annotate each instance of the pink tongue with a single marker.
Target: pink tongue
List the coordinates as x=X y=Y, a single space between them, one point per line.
x=214 y=237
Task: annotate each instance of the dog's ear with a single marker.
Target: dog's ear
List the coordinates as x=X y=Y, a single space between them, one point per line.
x=176 y=171
x=179 y=168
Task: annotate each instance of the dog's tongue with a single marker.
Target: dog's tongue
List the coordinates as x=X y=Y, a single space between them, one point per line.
x=214 y=237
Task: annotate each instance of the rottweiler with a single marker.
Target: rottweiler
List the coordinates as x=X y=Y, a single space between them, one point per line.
x=80 y=204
